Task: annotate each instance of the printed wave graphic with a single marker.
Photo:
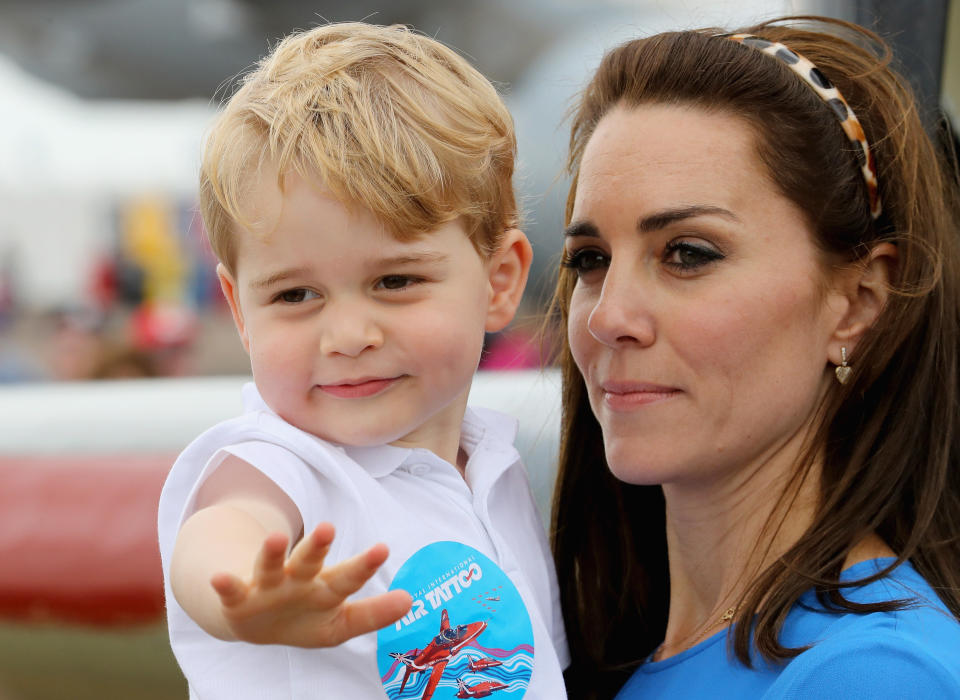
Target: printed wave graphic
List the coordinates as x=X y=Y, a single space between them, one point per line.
x=515 y=672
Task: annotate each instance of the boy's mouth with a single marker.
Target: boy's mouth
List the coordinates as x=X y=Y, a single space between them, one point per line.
x=358 y=388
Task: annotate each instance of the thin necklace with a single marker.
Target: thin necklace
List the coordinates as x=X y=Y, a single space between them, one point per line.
x=691 y=642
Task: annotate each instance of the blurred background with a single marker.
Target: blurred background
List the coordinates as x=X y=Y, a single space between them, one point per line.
x=105 y=272
x=104 y=269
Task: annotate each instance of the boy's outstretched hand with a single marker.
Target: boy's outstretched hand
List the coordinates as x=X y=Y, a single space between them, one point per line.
x=295 y=600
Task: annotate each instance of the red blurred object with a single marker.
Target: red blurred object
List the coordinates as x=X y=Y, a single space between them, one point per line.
x=104 y=283
x=78 y=538
x=158 y=326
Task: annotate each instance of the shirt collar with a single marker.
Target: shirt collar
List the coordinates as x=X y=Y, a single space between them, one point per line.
x=479 y=424
x=378 y=460
x=252 y=401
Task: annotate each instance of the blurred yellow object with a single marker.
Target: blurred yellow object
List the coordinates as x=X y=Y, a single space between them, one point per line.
x=151 y=241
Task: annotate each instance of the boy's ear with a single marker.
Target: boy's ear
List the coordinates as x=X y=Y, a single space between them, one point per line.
x=508 y=269
x=230 y=291
x=865 y=289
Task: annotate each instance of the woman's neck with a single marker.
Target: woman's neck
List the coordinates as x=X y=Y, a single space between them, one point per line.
x=722 y=535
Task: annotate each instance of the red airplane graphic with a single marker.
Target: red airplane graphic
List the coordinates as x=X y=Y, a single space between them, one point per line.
x=482 y=663
x=480 y=690
x=438 y=652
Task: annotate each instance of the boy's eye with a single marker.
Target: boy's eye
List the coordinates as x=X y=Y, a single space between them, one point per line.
x=296 y=296
x=585 y=260
x=397 y=281
x=686 y=256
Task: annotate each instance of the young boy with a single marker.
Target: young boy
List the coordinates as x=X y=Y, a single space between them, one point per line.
x=357 y=192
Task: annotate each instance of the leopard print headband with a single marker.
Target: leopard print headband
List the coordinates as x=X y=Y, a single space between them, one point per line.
x=831 y=95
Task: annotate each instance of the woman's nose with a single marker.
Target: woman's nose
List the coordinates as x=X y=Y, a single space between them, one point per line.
x=348 y=330
x=622 y=313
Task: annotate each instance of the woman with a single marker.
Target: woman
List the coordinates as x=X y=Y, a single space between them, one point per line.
x=759 y=490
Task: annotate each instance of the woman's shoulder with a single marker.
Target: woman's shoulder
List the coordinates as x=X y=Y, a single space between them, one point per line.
x=911 y=652
x=874 y=664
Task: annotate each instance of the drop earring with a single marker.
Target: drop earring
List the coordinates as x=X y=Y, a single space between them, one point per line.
x=843 y=371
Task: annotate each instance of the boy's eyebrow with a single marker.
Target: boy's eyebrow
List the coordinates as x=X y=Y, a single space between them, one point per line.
x=655 y=221
x=413 y=258
x=270 y=280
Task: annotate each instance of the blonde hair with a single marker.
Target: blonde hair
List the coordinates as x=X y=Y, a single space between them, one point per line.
x=380 y=116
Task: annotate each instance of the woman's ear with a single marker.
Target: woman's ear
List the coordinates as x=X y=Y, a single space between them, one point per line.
x=230 y=291
x=508 y=269
x=866 y=288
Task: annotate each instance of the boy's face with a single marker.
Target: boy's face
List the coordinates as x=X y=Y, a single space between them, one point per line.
x=355 y=336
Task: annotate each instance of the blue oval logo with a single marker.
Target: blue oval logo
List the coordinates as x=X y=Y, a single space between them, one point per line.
x=468 y=634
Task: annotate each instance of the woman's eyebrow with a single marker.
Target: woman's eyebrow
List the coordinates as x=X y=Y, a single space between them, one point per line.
x=655 y=221
x=581 y=228
x=662 y=219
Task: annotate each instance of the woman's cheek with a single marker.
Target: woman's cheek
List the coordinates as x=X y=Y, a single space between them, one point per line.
x=578 y=334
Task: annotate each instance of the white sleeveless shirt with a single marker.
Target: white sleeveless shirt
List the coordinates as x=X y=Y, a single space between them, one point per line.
x=441 y=530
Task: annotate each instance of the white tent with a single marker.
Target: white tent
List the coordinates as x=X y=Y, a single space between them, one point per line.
x=51 y=140
x=64 y=165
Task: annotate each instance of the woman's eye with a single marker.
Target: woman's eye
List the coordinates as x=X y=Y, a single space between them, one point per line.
x=683 y=255
x=296 y=296
x=585 y=261
x=398 y=281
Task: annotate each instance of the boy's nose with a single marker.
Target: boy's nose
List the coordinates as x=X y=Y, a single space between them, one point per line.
x=349 y=333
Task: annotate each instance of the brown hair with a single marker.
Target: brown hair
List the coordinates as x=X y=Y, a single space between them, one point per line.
x=889 y=438
x=382 y=116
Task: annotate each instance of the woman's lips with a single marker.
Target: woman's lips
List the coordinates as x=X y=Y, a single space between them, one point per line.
x=358 y=388
x=625 y=396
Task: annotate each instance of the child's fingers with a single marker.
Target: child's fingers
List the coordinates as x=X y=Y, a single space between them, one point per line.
x=268 y=569
x=307 y=557
x=232 y=590
x=370 y=614
x=349 y=575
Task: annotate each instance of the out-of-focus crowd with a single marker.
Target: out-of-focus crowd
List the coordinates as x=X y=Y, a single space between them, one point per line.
x=150 y=306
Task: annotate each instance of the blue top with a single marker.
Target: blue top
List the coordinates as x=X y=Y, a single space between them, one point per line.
x=911 y=653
